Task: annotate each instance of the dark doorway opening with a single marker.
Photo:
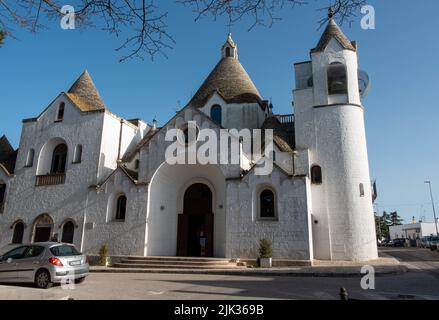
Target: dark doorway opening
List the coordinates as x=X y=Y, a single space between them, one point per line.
x=195 y=224
x=42 y=234
x=68 y=232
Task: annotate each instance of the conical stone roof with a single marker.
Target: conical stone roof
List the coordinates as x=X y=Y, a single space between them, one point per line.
x=231 y=81
x=85 y=95
x=333 y=31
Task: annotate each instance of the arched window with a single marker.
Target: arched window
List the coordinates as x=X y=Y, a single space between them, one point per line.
x=267 y=204
x=78 y=154
x=2 y=196
x=121 y=207
x=30 y=158
x=188 y=130
x=337 y=79
x=59 y=159
x=274 y=155
x=2 y=192
x=68 y=232
x=60 y=114
x=228 y=52
x=316 y=175
x=216 y=114
x=17 y=236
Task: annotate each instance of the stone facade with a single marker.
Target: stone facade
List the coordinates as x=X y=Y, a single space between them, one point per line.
x=112 y=163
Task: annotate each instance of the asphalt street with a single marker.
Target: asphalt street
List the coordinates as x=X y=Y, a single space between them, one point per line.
x=421 y=282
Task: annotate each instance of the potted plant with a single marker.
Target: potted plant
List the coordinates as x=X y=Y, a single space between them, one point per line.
x=104 y=258
x=265 y=253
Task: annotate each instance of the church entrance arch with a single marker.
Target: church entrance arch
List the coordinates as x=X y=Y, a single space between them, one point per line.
x=196 y=223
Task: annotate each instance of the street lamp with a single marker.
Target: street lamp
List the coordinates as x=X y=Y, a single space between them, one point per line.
x=432 y=204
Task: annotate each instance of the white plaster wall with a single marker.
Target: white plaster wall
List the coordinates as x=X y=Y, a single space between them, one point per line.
x=165 y=180
x=123 y=237
x=237 y=116
x=166 y=193
x=289 y=233
x=320 y=62
x=396 y=232
x=303 y=72
x=152 y=155
x=341 y=152
x=342 y=221
x=428 y=229
x=111 y=132
x=25 y=200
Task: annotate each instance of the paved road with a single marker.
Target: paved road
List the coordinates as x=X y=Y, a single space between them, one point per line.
x=422 y=282
x=418 y=260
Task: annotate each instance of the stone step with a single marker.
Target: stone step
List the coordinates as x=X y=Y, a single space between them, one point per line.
x=173 y=266
x=177 y=262
x=179 y=259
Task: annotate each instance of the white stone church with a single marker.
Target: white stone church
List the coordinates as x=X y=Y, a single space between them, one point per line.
x=84 y=175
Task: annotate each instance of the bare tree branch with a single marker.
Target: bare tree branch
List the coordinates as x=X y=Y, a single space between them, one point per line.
x=2 y=37
x=143 y=24
x=344 y=10
x=264 y=12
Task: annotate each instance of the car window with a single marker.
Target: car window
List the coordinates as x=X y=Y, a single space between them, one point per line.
x=33 y=252
x=16 y=253
x=64 y=251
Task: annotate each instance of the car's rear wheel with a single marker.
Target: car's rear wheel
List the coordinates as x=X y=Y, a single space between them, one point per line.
x=80 y=280
x=42 y=279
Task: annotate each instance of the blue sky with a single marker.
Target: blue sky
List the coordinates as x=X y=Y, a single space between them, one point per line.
x=401 y=57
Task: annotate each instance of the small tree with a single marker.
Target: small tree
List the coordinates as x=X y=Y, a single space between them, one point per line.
x=265 y=249
x=395 y=218
x=103 y=255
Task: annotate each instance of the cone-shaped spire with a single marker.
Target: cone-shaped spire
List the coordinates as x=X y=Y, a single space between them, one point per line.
x=229 y=79
x=85 y=95
x=333 y=31
x=8 y=155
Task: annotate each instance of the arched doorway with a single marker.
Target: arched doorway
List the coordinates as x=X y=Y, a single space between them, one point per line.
x=42 y=228
x=68 y=231
x=195 y=224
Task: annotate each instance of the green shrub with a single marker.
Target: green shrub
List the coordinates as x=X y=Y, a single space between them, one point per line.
x=103 y=254
x=265 y=248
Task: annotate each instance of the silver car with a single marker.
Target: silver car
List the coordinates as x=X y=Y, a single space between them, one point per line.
x=44 y=264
